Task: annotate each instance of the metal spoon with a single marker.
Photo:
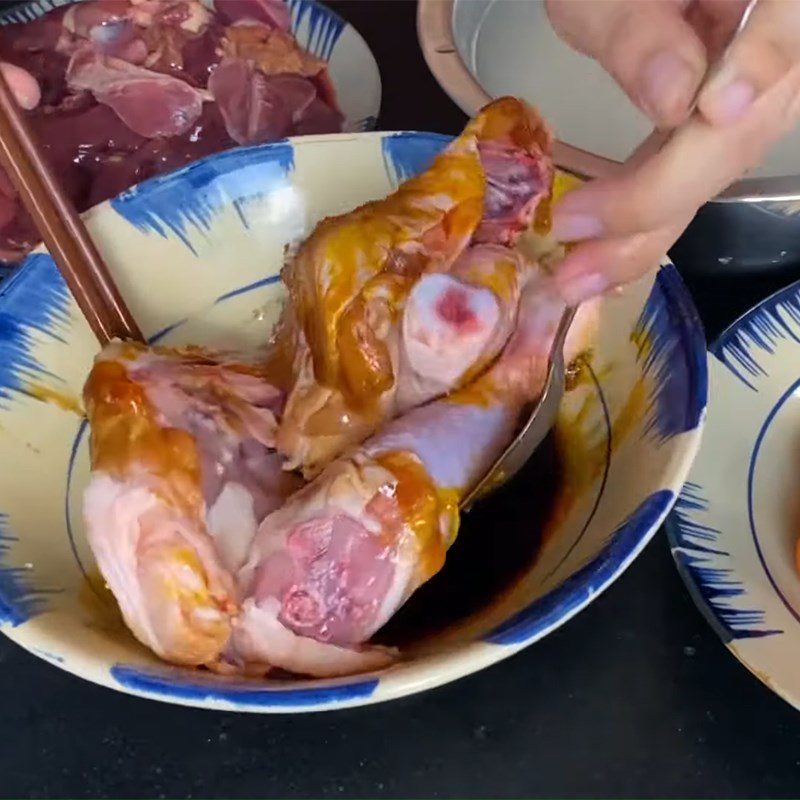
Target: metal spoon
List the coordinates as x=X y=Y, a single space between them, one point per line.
x=540 y=420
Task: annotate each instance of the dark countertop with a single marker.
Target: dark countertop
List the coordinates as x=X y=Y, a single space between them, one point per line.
x=634 y=697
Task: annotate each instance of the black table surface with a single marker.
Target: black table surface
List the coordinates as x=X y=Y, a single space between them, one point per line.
x=636 y=696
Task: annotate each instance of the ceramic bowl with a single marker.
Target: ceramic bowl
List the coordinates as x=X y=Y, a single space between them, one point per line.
x=735 y=528
x=197 y=254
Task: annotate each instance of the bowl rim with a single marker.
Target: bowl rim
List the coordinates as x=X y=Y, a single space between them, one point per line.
x=439 y=47
x=531 y=623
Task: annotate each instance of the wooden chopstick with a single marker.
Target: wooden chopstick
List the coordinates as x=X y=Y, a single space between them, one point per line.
x=61 y=228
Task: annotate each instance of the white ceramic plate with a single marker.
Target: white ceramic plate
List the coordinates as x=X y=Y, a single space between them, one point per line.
x=735 y=527
x=197 y=254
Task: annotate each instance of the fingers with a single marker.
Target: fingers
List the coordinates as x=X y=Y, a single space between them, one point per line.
x=695 y=165
x=627 y=222
x=648 y=46
x=595 y=267
x=764 y=53
x=23 y=85
x=715 y=22
x=637 y=216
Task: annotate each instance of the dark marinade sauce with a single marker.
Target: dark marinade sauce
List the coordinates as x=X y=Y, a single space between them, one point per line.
x=498 y=541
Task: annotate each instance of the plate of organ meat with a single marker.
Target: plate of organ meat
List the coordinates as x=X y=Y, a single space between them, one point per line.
x=123 y=90
x=259 y=509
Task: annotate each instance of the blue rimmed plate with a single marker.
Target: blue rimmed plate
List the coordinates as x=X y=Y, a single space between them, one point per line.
x=735 y=527
x=197 y=254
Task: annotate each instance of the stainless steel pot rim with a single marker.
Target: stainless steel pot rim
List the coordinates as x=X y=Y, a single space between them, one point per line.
x=435 y=33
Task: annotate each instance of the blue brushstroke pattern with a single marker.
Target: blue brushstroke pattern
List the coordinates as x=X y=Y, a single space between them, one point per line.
x=701 y=558
x=37 y=307
x=366 y=124
x=34 y=307
x=176 y=683
x=582 y=585
x=47 y=655
x=19 y=598
x=22 y=14
x=324 y=27
x=31 y=11
x=250 y=287
x=407 y=154
x=673 y=356
x=742 y=347
x=194 y=195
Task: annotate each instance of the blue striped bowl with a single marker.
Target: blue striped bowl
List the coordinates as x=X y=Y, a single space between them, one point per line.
x=196 y=254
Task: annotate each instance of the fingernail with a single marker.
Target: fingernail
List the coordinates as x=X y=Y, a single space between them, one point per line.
x=581 y=286
x=729 y=100
x=668 y=83
x=574 y=227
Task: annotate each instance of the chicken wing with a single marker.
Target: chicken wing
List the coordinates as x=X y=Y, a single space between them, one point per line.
x=381 y=297
x=183 y=471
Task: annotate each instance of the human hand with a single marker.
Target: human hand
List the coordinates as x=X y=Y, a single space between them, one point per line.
x=658 y=50
x=23 y=85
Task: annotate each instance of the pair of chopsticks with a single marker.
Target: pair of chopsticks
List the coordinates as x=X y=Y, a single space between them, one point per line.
x=61 y=228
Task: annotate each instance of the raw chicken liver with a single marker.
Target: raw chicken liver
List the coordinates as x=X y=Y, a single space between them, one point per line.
x=129 y=91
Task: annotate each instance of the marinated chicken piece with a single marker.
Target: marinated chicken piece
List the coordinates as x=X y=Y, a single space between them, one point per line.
x=272 y=50
x=333 y=564
x=415 y=335
x=183 y=471
x=412 y=344
x=377 y=295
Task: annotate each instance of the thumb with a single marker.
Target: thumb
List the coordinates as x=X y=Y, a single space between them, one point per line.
x=648 y=47
x=23 y=85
